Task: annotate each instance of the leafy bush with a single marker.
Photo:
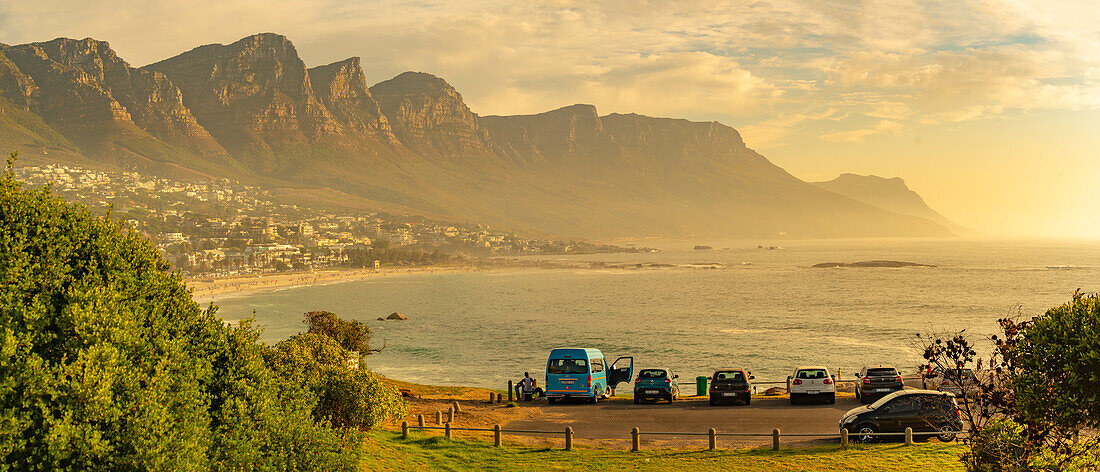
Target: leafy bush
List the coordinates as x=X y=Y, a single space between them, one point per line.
x=106 y=363
x=1001 y=446
x=351 y=335
x=346 y=397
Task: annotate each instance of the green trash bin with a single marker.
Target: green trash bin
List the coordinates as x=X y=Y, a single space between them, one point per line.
x=701 y=386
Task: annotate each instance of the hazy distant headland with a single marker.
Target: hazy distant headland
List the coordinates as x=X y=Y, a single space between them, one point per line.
x=253 y=111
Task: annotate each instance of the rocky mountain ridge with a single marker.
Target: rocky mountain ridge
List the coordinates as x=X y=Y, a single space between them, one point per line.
x=253 y=110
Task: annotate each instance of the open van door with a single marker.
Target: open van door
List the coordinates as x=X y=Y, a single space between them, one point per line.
x=619 y=373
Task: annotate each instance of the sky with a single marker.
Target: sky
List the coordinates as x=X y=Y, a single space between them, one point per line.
x=989 y=109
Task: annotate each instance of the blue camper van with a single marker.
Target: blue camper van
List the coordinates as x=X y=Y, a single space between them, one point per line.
x=584 y=373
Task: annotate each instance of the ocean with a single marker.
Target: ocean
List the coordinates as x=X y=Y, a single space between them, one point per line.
x=735 y=306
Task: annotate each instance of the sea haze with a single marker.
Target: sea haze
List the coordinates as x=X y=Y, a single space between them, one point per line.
x=763 y=310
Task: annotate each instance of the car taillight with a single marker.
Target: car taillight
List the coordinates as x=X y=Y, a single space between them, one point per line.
x=637 y=379
x=797 y=382
x=866 y=380
x=589 y=380
x=668 y=381
x=828 y=381
x=897 y=379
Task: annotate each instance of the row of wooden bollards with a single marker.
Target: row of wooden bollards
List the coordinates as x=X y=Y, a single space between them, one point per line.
x=497 y=433
x=776 y=435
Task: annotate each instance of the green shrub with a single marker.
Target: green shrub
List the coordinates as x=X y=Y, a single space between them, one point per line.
x=346 y=397
x=106 y=363
x=998 y=447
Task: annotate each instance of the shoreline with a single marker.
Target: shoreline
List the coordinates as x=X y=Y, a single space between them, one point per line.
x=204 y=291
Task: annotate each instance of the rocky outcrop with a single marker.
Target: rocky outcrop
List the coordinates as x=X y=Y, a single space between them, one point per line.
x=867 y=264
x=342 y=88
x=93 y=97
x=396 y=316
x=429 y=116
x=255 y=96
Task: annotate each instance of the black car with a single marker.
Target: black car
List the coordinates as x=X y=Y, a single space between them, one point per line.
x=876 y=382
x=922 y=410
x=731 y=385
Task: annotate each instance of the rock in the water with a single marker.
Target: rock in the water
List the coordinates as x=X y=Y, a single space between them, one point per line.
x=396 y=316
x=381 y=319
x=830 y=265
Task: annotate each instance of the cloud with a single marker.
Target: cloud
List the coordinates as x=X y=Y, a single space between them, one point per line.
x=857 y=135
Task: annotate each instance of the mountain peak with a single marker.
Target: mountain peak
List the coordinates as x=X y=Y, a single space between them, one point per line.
x=414 y=83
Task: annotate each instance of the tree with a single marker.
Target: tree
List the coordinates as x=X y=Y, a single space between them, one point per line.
x=1057 y=381
x=1039 y=389
x=351 y=335
x=106 y=363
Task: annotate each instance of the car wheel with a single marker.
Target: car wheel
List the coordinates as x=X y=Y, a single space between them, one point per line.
x=794 y=400
x=946 y=433
x=594 y=398
x=865 y=433
x=832 y=398
x=551 y=400
x=712 y=402
x=637 y=400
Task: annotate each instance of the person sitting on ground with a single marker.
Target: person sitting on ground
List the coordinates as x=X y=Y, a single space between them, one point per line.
x=527 y=385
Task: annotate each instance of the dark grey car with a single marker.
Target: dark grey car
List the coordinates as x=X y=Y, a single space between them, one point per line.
x=877 y=381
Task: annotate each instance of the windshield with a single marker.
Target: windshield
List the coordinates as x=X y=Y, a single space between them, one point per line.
x=729 y=376
x=567 y=366
x=812 y=374
x=652 y=374
x=884 y=400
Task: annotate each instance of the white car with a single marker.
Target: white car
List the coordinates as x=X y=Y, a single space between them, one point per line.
x=812 y=382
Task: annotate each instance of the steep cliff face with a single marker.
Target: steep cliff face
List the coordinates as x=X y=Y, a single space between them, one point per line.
x=572 y=136
x=94 y=98
x=255 y=97
x=342 y=88
x=430 y=117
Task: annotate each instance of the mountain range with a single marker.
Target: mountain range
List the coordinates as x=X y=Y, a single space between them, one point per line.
x=253 y=111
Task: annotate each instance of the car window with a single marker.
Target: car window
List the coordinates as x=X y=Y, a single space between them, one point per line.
x=730 y=376
x=652 y=374
x=567 y=366
x=934 y=404
x=812 y=374
x=885 y=372
x=904 y=403
x=884 y=400
x=597 y=365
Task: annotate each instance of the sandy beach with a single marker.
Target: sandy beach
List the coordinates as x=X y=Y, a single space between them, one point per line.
x=205 y=290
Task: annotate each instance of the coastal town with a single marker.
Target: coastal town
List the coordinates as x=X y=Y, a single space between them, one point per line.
x=224 y=228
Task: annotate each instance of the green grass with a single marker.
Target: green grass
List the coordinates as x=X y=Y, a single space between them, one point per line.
x=387 y=451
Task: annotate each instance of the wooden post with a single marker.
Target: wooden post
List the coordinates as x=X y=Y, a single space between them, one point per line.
x=439 y=417
x=447 y=430
x=568 y=438
x=844 y=438
x=496 y=435
x=492 y=396
x=510 y=391
x=450 y=414
x=713 y=439
x=634 y=444
x=404 y=430
x=458 y=408
x=775 y=439
x=908 y=436
x=420 y=421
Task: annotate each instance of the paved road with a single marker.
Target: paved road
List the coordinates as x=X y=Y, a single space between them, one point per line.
x=610 y=421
